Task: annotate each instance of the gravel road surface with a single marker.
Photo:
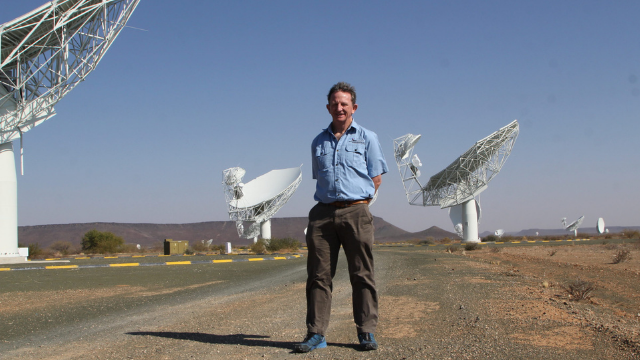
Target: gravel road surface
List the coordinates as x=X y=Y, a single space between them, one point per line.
x=433 y=305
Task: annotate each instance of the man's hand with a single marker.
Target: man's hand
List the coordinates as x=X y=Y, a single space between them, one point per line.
x=377 y=181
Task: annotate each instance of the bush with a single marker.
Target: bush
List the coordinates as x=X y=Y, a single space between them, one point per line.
x=579 y=290
x=621 y=256
x=491 y=237
x=427 y=241
x=631 y=234
x=63 y=247
x=259 y=247
x=99 y=242
x=495 y=249
x=35 y=251
x=283 y=244
x=453 y=248
x=199 y=247
x=471 y=246
x=220 y=248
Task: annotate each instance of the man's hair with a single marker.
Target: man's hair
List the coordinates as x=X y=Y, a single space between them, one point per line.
x=342 y=87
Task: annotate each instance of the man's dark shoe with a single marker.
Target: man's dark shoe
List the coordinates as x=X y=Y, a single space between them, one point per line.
x=367 y=341
x=312 y=341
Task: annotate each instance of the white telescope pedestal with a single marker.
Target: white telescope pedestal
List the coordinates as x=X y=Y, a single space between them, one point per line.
x=470 y=222
x=8 y=207
x=265 y=229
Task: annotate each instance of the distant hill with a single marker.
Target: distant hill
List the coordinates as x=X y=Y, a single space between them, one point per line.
x=220 y=231
x=551 y=232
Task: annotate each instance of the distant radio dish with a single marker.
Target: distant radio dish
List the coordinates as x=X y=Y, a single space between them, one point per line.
x=573 y=226
x=43 y=55
x=499 y=233
x=461 y=181
x=259 y=199
x=600 y=226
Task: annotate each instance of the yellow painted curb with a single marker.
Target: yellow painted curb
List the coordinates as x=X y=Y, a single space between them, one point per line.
x=280 y=258
x=125 y=264
x=222 y=261
x=61 y=267
x=5 y=269
x=179 y=263
x=256 y=259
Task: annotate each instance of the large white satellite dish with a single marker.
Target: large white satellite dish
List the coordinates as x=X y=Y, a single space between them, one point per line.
x=460 y=182
x=259 y=199
x=574 y=225
x=43 y=55
x=499 y=233
x=600 y=226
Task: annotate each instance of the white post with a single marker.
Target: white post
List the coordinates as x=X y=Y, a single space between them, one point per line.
x=265 y=229
x=228 y=248
x=8 y=203
x=470 y=222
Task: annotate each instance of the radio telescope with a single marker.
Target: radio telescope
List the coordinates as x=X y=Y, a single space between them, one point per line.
x=259 y=199
x=499 y=233
x=600 y=226
x=573 y=226
x=459 y=183
x=43 y=55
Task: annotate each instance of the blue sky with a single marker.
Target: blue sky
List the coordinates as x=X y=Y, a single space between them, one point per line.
x=212 y=85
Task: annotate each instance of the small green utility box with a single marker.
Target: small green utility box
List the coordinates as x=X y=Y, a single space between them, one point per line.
x=175 y=247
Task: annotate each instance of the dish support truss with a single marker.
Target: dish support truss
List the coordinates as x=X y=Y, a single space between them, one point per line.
x=43 y=55
x=260 y=215
x=46 y=53
x=461 y=181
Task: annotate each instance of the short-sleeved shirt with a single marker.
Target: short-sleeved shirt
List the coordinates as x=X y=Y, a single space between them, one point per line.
x=344 y=168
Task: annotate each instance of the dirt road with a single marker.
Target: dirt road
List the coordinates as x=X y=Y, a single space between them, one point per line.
x=433 y=305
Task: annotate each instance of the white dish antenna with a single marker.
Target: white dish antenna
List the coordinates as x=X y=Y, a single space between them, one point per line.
x=44 y=55
x=460 y=182
x=499 y=233
x=573 y=226
x=258 y=200
x=600 y=226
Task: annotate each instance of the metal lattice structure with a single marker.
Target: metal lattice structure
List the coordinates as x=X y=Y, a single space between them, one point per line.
x=260 y=199
x=465 y=178
x=44 y=55
x=457 y=186
x=47 y=52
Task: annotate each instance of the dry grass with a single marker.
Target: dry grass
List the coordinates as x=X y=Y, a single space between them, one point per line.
x=621 y=256
x=579 y=290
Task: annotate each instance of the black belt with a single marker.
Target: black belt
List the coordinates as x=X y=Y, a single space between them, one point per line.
x=345 y=204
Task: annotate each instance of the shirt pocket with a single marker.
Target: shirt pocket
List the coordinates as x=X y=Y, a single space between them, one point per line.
x=355 y=155
x=323 y=157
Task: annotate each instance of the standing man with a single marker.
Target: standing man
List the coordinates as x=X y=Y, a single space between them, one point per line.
x=348 y=164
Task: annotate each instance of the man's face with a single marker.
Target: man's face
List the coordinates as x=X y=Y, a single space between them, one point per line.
x=341 y=108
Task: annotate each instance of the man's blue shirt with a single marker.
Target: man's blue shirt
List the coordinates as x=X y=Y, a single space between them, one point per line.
x=343 y=169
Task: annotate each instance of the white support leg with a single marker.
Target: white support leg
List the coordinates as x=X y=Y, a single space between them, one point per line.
x=265 y=229
x=470 y=222
x=8 y=206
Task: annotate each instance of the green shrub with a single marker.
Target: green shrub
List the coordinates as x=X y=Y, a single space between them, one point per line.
x=259 y=247
x=427 y=241
x=98 y=242
x=491 y=237
x=631 y=234
x=283 y=244
x=35 y=251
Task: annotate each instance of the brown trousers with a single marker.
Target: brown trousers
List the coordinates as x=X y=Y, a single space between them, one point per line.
x=329 y=228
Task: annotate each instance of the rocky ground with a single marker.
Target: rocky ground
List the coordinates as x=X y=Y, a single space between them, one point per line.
x=509 y=303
